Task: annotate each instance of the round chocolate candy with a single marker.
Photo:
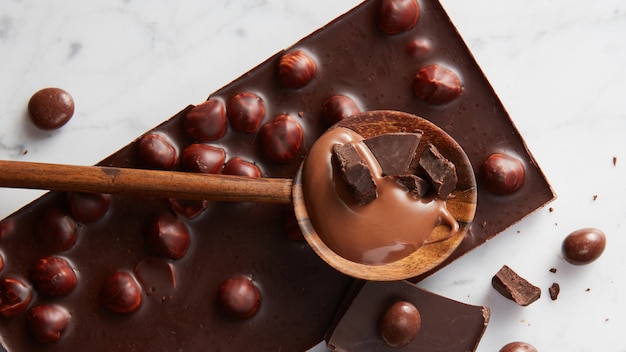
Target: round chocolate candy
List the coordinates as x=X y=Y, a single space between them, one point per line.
x=281 y=139
x=48 y=322
x=400 y=324
x=15 y=296
x=239 y=297
x=207 y=121
x=88 y=207
x=436 y=84
x=168 y=236
x=51 y=108
x=245 y=112
x=156 y=150
x=296 y=69
x=121 y=293
x=54 y=276
x=518 y=346
x=502 y=174
x=583 y=246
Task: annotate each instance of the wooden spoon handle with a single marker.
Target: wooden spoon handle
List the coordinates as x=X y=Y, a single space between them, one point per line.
x=138 y=182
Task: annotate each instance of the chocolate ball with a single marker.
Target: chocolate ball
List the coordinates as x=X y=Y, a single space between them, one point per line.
x=245 y=112
x=88 y=207
x=57 y=231
x=207 y=121
x=54 y=276
x=296 y=69
x=51 y=108
x=168 y=236
x=239 y=297
x=518 y=346
x=121 y=293
x=15 y=296
x=281 y=139
x=398 y=15
x=203 y=158
x=502 y=174
x=239 y=167
x=338 y=107
x=156 y=150
x=437 y=85
x=400 y=324
x=47 y=322
x=583 y=246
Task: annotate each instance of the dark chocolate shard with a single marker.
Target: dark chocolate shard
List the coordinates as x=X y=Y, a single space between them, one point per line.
x=413 y=183
x=439 y=170
x=554 y=290
x=355 y=173
x=394 y=151
x=445 y=325
x=514 y=287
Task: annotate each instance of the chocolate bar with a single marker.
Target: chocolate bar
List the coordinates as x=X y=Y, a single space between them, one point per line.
x=399 y=316
x=131 y=295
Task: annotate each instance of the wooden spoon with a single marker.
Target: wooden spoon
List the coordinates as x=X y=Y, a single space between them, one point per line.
x=185 y=185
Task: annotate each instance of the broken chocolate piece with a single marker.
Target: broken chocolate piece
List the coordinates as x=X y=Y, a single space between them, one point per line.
x=554 y=290
x=444 y=324
x=413 y=184
x=439 y=170
x=394 y=151
x=355 y=173
x=515 y=287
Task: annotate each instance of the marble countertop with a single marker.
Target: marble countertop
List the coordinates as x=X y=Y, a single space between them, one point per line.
x=559 y=67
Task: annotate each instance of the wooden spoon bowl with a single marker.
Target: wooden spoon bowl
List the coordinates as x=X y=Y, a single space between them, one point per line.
x=461 y=203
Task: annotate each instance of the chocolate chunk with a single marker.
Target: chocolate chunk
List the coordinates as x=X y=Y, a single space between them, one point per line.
x=394 y=151
x=554 y=290
x=413 y=184
x=515 y=287
x=355 y=173
x=439 y=170
x=441 y=324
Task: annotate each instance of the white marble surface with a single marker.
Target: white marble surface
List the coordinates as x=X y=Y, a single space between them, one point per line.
x=558 y=66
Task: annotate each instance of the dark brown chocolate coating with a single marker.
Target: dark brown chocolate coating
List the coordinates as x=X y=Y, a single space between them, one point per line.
x=398 y=15
x=583 y=246
x=51 y=108
x=57 y=231
x=281 y=138
x=338 y=107
x=436 y=84
x=245 y=112
x=518 y=346
x=157 y=150
x=300 y=291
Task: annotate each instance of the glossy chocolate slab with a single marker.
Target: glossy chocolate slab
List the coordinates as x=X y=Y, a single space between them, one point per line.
x=299 y=292
x=446 y=325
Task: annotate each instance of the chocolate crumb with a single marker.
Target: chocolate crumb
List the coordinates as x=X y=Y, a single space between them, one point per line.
x=555 y=289
x=515 y=287
x=595 y=196
x=551 y=209
x=614 y=161
x=553 y=270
